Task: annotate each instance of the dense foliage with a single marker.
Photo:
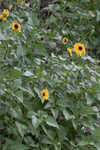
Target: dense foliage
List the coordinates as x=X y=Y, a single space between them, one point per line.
x=50 y=89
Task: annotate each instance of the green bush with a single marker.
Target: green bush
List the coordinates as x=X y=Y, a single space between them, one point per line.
x=36 y=59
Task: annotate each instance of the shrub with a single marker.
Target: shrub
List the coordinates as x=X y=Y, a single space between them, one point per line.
x=49 y=99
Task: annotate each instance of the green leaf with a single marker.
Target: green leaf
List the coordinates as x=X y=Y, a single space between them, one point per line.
x=21 y=128
x=29 y=91
x=35 y=122
x=97 y=133
x=18 y=147
x=67 y=115
x=16 y=112
x=4 y=36
x=52 y=44
x=55 y=113
x=16 y=72
x=98 y=15
x=46 y=140
x=58 y=146
x=19 y=95
x=20 y=51
x=51 y=122
x=28 y=74
x=51 y=134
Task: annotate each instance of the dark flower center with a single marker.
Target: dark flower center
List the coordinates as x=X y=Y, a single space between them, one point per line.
x=80 y=48
x=16 y=26
x=43 y=94
x=0 y=20
x=41 y=38
x=65 y=40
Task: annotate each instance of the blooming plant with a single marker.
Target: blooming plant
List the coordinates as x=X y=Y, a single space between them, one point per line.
x=50 y=75
x=45 y=94
x=4 y=15
x=69 y=51
x=16 y=26
x=64 y=40
x=79 y=49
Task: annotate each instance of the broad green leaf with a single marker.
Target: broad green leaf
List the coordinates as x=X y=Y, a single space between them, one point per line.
x=54 y=112
x=50 y=134
x=58 y=146
x=67 y=115
x=19 y=95
x=28 y=74
x=98 y=15
x=21 y=128
x=52 y=122
x=18 y=147
x=16 y=72
x=20 y=51
x=35 y=122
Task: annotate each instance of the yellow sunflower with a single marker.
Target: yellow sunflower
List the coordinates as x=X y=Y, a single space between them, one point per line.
x=64 y=40
x=69 y=51
x=79 y=49
x=5 y=13
x=45 y=94
x=2 y=18
x=16 y=26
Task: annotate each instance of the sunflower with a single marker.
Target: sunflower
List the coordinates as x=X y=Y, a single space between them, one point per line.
x=45 y=94
x=16 y=26
x=69 y=51
x=5 y=13
x=64 y=40
x=2 y=18
x=79 y=49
